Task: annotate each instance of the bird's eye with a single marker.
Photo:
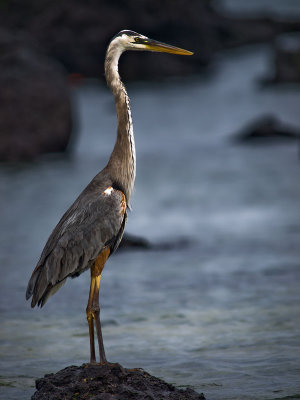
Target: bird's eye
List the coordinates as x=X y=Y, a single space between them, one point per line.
x=140 y=40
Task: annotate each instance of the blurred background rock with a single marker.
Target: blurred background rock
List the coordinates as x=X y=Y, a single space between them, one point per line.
x=35 y=108
x=43 y=41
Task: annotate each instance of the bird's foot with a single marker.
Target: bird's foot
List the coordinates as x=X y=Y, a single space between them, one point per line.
x=110 y=364
x=102 y=363
x=136 y=370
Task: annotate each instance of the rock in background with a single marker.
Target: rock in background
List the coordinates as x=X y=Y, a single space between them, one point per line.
x=266 y=129
x=35 y=108
x=286 y=59
x=76 y=33
x=40 y=40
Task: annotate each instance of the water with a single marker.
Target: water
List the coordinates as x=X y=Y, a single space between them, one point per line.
x=221 y=314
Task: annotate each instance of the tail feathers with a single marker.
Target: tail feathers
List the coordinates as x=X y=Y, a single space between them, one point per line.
x=32 y=282
x=50 y=291
x=40 y=288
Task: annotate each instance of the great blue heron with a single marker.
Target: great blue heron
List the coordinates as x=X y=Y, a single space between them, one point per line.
x=92 y=228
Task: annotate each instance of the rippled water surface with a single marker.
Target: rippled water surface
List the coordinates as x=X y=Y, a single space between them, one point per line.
x=220 y=311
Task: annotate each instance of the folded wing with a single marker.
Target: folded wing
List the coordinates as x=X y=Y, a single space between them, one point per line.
x=93 y=223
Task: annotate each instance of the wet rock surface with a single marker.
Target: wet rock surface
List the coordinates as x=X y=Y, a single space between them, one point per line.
x=108 y=382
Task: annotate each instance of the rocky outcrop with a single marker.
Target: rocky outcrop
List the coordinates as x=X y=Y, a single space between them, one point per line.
x=108 y=382
x=133 y=242
x=35 y=109
x=130 y=241
x=266 y=129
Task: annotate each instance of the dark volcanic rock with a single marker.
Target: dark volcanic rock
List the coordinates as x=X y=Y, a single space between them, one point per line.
x=107 y=382
x=266 y=129
x=35 y=109
x=132 y=242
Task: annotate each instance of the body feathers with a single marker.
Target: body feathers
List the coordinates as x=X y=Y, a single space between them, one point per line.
x=95 y=220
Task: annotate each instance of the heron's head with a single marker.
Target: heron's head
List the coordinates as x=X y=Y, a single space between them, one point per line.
x=129 y=40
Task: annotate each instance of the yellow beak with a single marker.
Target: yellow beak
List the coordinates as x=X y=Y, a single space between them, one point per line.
x=153 y=45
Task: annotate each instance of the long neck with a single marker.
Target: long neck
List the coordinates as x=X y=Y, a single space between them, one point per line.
x=122 y=164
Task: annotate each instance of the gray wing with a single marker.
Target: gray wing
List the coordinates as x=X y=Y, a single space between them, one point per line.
x=96 y=220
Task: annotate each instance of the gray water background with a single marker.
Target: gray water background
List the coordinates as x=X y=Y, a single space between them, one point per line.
x=220 y=314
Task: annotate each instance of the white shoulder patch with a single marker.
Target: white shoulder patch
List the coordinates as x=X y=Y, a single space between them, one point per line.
x=108 y=191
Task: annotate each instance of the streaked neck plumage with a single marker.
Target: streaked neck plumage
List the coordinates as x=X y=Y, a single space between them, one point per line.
x=122 y=163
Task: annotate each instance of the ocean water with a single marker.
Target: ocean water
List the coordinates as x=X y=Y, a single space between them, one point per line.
x=219 y=310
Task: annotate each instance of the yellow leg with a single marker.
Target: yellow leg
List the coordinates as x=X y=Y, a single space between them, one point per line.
x=96 y=307
x=90 y=318
x=93 y=308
